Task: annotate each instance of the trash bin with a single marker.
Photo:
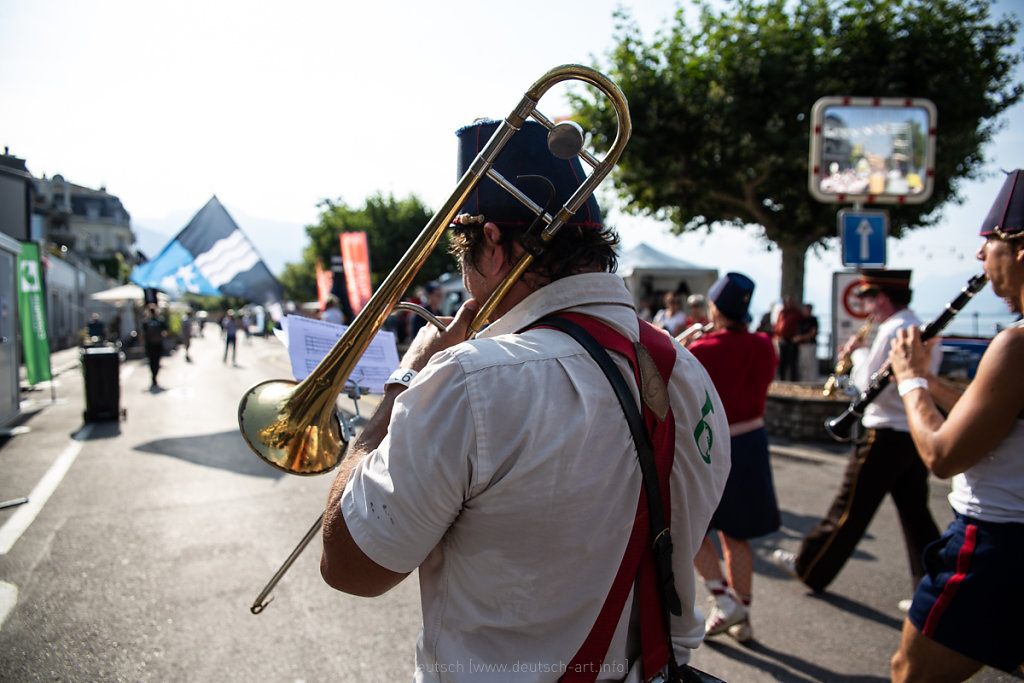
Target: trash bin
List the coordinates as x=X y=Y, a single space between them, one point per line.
x=101 y=370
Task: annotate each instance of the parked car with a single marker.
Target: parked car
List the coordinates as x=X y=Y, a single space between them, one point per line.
x=960 y=356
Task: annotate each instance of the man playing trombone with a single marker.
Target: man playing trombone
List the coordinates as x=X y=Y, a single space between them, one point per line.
x=502 y=468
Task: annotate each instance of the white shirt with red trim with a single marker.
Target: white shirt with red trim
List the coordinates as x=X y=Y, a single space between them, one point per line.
x=510 y=480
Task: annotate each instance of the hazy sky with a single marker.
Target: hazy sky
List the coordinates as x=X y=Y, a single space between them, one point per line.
x=275 y=106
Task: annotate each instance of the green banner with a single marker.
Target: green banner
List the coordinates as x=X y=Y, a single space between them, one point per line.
x=32 y=311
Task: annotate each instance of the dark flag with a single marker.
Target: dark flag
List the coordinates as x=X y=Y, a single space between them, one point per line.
x=211 y=256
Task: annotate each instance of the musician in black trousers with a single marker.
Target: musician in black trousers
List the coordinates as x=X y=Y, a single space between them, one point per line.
x=884 y=460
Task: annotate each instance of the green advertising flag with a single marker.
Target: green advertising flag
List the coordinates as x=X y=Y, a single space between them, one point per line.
x=32 y=311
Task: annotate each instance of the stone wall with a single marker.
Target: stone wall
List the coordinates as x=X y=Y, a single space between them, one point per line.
x=795 y=412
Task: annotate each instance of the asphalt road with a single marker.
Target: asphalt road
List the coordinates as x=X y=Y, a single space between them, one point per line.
x=146 y=540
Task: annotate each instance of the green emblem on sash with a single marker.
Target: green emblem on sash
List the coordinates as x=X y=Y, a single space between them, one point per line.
x=702 y=434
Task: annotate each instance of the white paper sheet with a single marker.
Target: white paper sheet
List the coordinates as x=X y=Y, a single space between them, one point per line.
x=309 y=340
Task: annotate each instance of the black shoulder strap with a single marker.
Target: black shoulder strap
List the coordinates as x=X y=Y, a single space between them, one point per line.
x=659 y=527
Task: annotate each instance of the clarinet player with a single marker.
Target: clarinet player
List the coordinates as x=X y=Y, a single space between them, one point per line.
x=884 y=461
x=964 y=612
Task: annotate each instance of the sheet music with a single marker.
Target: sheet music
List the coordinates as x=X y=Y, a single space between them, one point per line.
x=309 y=340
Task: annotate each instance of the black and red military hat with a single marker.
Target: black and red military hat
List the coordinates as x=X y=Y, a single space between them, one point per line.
x=527 y=162
x=1005 y=219
x=881 y=280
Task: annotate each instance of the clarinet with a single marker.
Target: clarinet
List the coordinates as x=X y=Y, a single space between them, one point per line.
x=839 y=428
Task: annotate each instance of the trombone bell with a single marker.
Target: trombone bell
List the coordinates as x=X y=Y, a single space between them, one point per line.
x=285 y=424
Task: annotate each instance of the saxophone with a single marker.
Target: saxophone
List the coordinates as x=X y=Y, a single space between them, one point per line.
x=843 y=364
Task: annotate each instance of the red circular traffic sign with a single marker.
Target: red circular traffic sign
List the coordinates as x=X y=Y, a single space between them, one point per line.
x=853 y=304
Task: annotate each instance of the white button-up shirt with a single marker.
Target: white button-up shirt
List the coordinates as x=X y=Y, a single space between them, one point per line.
x=510 y=479
x=887 y=410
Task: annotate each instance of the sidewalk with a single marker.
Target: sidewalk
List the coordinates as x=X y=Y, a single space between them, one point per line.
x=60 y=362
x=63 y=360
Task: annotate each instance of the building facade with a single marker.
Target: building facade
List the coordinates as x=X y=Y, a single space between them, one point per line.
x=87 y=244
x=90 y=223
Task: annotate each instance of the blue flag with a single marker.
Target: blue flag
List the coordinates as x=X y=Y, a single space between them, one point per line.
x=211 y=256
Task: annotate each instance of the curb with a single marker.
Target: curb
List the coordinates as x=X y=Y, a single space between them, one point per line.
x=60 y=362
x=819 y=454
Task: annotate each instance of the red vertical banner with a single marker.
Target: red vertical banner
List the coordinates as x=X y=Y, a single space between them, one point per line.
x=324 y=284
x=355 y=257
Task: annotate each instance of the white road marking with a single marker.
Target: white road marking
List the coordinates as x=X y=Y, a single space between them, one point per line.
x=23 y=517
x=8 y=599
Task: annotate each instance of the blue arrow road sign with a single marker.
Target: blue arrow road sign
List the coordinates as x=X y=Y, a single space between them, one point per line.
x=863 y=235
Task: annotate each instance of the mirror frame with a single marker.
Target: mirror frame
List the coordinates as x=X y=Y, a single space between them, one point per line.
x=818 y=165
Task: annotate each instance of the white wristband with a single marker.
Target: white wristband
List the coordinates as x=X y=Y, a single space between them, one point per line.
x=401 y=376
x=911 y=384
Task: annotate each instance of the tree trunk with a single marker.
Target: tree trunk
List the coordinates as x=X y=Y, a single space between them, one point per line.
x=793 y=256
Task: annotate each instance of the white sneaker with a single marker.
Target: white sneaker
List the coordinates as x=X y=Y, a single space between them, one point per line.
x=742 y=631
x=904 y=604
x=724 y=613
x=786 y=561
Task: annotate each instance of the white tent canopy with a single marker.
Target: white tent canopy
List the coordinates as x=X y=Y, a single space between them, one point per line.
x=649 y=272
x=126 y=294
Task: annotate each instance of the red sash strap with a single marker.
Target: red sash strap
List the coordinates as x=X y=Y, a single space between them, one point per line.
x=638 y=561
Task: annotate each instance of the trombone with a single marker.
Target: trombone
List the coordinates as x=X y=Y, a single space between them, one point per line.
x=295 y=427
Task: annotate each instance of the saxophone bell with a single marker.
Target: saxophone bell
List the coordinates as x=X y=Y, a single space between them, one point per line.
x=839 y=380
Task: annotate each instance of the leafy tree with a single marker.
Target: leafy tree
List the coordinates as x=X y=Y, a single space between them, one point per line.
x=721 y=109
x=113 y=266
x=390 y=225
x=299 y=279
